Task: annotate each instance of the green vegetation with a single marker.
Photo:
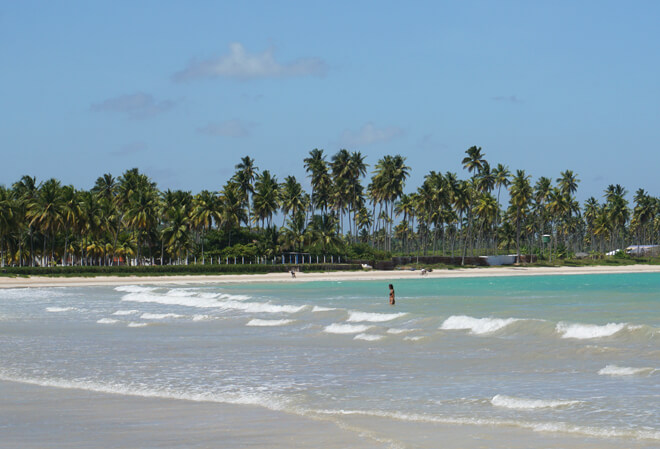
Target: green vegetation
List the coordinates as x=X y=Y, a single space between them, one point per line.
x=126 y=224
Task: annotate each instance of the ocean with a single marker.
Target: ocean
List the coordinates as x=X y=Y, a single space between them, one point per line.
x=571 y=357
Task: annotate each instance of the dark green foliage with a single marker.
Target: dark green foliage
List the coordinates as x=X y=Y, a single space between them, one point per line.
x=156 y=270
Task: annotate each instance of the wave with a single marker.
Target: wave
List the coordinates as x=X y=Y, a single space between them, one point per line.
x=134 y=324
x=373 y=317
x=336 y=328
x=368 y=337
x=60 y=309
x=107 y=321
x=417 y=338
x=323 y=309
x=258 y=322
x=222 y=301
x=159 y=316
x=271 y=402
x=397 y=331
x=545 y=427
x=613 y=370
x=126 y=312
x=588 y=331
x=476 y=325
x=528 y=404
x=134 y=288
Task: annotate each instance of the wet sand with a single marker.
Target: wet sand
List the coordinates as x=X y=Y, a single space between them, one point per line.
x=366 y=275
x=38 y=417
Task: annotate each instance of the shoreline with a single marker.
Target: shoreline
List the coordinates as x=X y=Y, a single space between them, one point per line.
x=371 y=275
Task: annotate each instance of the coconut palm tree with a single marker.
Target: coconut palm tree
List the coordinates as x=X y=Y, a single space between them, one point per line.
x=232 y=212
x=244 y=178
x=25 y=192
x=46 y=213
x=265 y=198
x=521 y=195
x=205 y=212
x=474 y=161
x=293 y=199
x=317 y=167
x=6 y=220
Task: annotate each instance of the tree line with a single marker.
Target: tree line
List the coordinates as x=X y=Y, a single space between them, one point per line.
x=129 y=220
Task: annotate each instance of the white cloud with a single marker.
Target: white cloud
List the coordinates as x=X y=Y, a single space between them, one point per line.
x=139 y=105
x=228 y=128
x=241 y=65
x=370 y=134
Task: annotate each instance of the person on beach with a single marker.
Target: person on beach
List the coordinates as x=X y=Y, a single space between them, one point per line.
x=391 y=295
x=293 y=274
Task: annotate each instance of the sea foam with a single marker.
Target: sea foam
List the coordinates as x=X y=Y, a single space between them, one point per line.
x=368 y=337
x=528 y=404
x=588 y=331
x=336 y=328
x=613 y=370
x=258 y=322
x=373 y=317
x=476 y=325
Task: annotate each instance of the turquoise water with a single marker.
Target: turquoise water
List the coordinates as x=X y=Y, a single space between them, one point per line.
x=578 y=355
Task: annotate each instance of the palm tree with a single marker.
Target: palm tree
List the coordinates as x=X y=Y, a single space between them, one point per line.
x=265 y=198
x=387 y=186
x=521 y=194
x=46 y=212
x=244 y=177
x=317 y=167
x=6 y=220
x=205 y=211
x=474 y=160
x=232 y=212
x=26 y=191
x=293 y=199
x=177 y=232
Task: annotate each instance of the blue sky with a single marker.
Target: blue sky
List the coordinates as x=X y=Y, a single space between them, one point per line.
x=183 y=90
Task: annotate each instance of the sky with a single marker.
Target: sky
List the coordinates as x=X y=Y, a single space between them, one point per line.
x=182 y=90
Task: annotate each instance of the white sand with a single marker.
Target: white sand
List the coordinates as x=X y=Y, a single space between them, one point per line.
x=44 y=281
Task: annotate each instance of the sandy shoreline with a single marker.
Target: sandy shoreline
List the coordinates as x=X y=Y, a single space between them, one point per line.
x=45 y=281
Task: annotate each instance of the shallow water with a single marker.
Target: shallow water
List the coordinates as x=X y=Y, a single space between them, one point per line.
x=575 y=355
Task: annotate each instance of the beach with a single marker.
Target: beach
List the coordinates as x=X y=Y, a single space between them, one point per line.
x=364 y=275
x=501 y=357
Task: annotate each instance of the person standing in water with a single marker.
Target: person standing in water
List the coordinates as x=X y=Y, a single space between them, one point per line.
x=391 y=295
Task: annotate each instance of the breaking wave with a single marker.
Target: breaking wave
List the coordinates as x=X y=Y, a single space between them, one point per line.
x=528 y=404
x=373 y=317
x=336 y=328
x=613 y=370
x=476 y=326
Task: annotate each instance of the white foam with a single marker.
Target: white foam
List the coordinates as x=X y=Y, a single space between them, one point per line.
x=397 y=331
x=613 y=370
x=528 y=404
x=126 y=312
x=60 y=309
x=588 y=331
x=368 y=337
x=354 y=316
x=242 y=398
x=545 y=427
x=336 y=328
x=258 y=322
x=134 y=324
x=202 y=317
x=159 y=316
x=413 y=338
x=107 y=321
x=223 y=302
x=134 y=288
x=323 y=309
x=476 y=325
